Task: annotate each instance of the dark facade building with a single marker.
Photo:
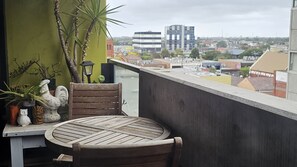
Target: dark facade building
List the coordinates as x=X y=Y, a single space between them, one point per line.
x=180 y=37
x=147 y=42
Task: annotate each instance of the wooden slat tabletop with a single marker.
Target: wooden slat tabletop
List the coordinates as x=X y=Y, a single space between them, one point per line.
x=103 y=130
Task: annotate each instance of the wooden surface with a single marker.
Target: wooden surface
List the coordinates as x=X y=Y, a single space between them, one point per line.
x=103 y=130
x=30 y=130
x=94 y=99
x=158 y=153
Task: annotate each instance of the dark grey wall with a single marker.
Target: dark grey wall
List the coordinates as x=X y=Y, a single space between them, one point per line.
x=216 y=131
x=4 y=142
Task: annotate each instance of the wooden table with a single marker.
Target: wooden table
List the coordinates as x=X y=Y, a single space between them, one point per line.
x=31 y=136
x=103 y=130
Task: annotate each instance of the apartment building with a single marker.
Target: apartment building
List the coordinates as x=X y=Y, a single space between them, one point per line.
x=292 y=70
x=179 y=37
x=147 y=42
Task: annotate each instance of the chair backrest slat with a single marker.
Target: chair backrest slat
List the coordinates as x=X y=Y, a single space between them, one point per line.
x=161 y=153
x=94 y=99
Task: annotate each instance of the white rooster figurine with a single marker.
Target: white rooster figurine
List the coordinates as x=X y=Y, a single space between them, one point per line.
x=53 y=102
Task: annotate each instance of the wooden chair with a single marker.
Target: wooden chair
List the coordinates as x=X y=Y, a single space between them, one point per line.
x=91 y=100
x=94 y=99
x=159 y=153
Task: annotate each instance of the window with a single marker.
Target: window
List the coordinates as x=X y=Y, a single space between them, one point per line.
x=295 y=3
x=293 y=61
x=188 y=37
x=177 y=37
x=168 y=37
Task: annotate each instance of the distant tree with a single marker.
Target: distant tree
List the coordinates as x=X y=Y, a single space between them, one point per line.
x=156 y=55
x=211 y=55
x=165 y=53
x=172 y=54
x=133 y=53
x=264 y=47
x=179 y=52
x=212 y=70
x=244 y=71
x=244 y=46
x=146 y=56
x=222 y=44
x=194 y=53
x=224 y=56
x=251 y=52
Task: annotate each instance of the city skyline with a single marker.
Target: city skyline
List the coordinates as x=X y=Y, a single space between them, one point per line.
x=218 y=18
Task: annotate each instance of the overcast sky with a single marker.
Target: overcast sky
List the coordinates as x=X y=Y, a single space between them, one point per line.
x=211 y=18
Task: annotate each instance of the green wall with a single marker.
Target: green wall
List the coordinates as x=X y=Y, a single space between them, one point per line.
x=31 y=32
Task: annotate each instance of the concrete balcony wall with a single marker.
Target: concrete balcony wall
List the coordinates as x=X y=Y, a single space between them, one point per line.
x=221 y=125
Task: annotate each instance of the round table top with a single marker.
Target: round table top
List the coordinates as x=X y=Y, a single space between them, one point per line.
x=103 y=130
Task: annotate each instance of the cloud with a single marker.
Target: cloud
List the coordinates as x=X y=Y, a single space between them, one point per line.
x=251 y=17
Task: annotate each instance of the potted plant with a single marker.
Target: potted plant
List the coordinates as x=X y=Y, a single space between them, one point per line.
x=21 y=97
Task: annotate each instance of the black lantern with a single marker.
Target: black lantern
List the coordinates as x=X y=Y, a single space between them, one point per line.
x=87 y=69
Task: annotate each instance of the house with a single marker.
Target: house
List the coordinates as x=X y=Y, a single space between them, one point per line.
x=232 y=66
x=235 y=52
x=258 y=84
x=268 y=63
x=280 y=83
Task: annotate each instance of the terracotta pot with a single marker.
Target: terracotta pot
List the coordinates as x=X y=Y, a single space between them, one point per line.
x=13 y=113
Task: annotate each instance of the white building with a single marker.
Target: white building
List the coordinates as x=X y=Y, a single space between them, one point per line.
x=147 y=42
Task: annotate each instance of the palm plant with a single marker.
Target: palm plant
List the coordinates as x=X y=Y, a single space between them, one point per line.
x=88 y=16
x=20 y=94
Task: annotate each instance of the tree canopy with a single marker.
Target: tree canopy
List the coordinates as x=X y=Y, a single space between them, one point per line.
x=194 y=53
x=179 y=52
x=222 y=44
x=244 y=71
x=211 y=55
x=251 y=52
x=165 y=53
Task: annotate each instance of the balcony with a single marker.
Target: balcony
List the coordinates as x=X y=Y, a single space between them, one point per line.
x=221 y=125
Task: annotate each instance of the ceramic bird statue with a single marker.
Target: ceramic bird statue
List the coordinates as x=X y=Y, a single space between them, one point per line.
x=53 y=102
x=23 y=118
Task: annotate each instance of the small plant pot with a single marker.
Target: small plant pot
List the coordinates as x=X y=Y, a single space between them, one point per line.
x=13 y=114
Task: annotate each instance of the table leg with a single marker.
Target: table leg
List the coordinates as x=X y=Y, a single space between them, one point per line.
x=16 y=148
